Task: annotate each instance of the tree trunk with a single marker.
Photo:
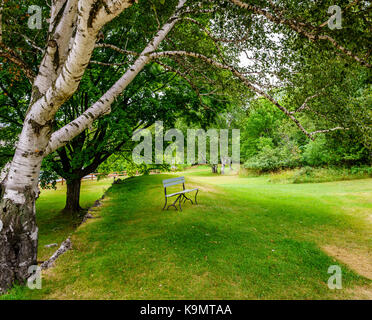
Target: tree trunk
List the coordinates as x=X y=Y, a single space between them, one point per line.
x=19 y=191
x=73 y=196
x=214 y=168
x=18 y=240
x=223 y=164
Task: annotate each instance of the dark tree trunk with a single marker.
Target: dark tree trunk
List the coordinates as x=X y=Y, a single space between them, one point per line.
x=73 y=196
x=18 y=240
x=214 y=168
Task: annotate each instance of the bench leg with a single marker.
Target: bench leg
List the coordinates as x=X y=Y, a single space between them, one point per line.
x=166 y=199
x=180 y=198
x=186 y=198
x=180 y=203
x=174 y=203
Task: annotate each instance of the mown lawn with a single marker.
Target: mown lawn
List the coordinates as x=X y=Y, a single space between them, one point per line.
x=54 y=225
x=247 y=239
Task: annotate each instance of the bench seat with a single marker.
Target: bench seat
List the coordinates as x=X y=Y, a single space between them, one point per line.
x=182 y=191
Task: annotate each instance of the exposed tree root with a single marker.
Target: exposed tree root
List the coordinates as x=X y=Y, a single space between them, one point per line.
x=65 y=246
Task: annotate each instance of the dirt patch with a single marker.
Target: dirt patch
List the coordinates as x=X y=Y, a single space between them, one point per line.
x=360 y=262
x=361 y=293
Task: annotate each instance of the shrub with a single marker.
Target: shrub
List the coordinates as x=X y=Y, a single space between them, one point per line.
x=274 y=158
x=316 y=153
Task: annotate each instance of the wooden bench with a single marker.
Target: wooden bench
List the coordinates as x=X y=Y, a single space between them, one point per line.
x=181 y=195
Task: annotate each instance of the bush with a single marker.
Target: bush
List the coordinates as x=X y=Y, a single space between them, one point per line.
x=274 y=158
x=361 y=170
x=323 y=152
x=316 y=153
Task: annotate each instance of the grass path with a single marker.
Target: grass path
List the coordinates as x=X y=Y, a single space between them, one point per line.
x=247 y=239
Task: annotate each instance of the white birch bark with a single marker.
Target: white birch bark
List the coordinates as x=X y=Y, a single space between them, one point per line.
x=62 y=24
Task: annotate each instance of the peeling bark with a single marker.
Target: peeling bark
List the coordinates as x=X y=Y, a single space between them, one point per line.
x=18 y=239
x=72 y=37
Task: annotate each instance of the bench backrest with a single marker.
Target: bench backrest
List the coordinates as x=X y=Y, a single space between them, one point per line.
x=173 y=181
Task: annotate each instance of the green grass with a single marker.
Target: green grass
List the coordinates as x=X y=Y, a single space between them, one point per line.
x=247 y=239
x=54 y=225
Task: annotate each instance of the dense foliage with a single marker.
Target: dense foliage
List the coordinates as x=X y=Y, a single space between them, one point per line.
x=270 y=142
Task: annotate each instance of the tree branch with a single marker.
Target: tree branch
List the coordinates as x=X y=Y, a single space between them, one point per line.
x=304 y=105
x=327 y=130
x=113 y=47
